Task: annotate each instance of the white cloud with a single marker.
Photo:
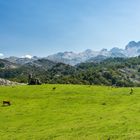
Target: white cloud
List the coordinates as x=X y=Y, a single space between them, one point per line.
x=27 y=56
x=1 y=54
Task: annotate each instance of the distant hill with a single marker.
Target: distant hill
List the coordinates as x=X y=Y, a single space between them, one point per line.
x=21 y=61
x=45 y=69
x=41 y=63
x=4 y=64
x=109 y=71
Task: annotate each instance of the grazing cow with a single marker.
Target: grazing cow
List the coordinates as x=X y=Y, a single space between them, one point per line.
x=131 y=91
x=54 y=88
x=6 y=103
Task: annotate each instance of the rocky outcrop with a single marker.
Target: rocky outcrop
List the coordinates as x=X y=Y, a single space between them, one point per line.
x=4 y=82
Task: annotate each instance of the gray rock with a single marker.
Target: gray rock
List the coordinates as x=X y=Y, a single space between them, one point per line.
x=4 y=82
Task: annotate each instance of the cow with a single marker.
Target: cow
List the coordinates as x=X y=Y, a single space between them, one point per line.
x=131 y=91
x=54 y=88
x=6 y=103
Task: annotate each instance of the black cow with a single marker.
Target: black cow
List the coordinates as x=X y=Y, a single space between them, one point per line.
x=6 y=103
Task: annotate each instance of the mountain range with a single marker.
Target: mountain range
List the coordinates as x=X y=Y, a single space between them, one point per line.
x=132 y=49
x=120 y=67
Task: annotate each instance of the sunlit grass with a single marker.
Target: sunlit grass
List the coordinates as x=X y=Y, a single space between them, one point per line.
x=70 y=112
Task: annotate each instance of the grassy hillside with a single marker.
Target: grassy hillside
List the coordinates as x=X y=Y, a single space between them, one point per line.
x=70 y=112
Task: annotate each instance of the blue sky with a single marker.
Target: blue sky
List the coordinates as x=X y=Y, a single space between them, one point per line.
x=43 y=27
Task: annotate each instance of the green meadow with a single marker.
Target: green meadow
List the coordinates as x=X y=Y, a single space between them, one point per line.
x=69 y=112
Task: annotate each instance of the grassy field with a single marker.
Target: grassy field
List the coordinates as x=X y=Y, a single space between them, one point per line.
x=70 y=112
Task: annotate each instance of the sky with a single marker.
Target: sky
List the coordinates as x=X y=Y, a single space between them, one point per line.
x=44 y=27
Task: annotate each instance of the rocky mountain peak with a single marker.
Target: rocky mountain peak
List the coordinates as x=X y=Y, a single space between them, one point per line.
x=132 y=49
x=132 y=44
